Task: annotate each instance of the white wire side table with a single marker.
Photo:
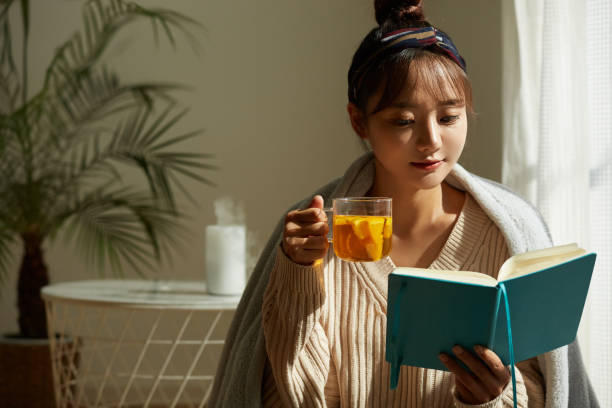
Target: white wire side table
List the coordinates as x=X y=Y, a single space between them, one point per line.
x=131 y=343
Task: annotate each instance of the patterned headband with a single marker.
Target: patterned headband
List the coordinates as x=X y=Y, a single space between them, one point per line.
x=399 y=40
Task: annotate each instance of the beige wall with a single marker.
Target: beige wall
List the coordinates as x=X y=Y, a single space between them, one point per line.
x=270 y=90
x=475 y=27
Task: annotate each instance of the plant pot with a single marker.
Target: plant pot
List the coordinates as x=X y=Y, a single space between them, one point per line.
x=26 y=374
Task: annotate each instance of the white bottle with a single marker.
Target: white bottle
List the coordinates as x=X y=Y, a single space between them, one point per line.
x=225 y=259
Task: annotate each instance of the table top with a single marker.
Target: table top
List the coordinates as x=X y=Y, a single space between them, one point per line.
x=140 y=293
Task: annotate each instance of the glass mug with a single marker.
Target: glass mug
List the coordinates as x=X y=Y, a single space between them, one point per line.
x=360 y=228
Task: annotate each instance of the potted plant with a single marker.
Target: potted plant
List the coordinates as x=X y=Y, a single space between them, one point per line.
x=64 y=148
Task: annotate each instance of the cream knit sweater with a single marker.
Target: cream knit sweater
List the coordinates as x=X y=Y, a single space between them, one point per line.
x=325 y=326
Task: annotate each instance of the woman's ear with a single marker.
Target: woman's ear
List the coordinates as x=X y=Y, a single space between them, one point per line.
x=358 y=121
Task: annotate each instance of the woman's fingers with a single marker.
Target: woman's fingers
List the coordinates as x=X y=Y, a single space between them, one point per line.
x=315 y=242
x=494 y=363
x=464 y=393
x=308 y=215
x=305 y=250
x=476 y=388
x=488 y=376
x=305 y=233
x=293 y=229
x=494 y=385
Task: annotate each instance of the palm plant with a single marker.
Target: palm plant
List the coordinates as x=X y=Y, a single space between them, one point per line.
x=63 y=151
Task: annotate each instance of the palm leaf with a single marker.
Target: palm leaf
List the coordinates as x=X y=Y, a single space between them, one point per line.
x=103 y=19
x=77 y=111
x=7 y=240
x=9 y=78
x=137 y=144
x=136 y=141
x=11 y=160
x=5 y=5
x=120 y=227
x=25 y=19
x=61 y=151
x=18 y=136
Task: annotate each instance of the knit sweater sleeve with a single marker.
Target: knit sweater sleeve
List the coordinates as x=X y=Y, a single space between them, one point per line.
x=296 y=343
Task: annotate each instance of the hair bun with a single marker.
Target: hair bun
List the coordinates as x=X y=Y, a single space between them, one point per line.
x=399 y=11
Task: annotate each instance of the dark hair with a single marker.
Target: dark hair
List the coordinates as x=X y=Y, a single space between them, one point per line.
x=430 y=67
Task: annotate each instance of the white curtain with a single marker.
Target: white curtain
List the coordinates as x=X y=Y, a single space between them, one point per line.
x=557 y=104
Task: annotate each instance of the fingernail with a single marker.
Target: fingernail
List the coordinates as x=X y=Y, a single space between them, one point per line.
x=443 y=357
x=458 y=350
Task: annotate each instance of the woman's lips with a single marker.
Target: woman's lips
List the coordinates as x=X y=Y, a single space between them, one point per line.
x=427 y=166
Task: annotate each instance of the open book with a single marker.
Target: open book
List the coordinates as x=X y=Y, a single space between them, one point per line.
x=429 y=311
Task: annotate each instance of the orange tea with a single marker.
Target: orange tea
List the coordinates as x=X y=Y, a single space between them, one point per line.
x=362 y=238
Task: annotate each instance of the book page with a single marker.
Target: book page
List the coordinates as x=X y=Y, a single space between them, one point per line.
x=515 y=266
x=474 y=278
x=532 y=261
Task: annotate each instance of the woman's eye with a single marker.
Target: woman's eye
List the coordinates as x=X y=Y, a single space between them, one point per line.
x=449 y=119
x=403 y=122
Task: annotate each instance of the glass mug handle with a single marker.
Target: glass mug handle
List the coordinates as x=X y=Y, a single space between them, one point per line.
x=329 y=212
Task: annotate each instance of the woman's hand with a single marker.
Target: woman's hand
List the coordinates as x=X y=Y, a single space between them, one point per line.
x=489 y=377
x=305 y=233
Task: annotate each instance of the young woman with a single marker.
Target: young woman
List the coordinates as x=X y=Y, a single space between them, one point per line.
x=309 y=333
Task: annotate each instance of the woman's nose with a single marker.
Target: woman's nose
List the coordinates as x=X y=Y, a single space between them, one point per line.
x=429 y=137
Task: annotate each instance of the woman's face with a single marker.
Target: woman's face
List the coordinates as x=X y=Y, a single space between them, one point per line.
x=417 y=139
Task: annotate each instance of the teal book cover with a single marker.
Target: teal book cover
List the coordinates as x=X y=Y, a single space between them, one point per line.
x=427 y=315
